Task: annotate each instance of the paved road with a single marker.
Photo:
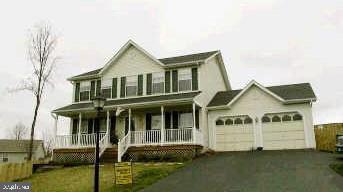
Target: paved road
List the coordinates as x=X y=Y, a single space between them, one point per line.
x=255 y=171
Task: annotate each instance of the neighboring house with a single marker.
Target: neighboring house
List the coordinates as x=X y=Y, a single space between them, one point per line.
x=181 y=101
x=16 y=151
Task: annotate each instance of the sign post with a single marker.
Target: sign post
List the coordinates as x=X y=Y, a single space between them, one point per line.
x=123 y=173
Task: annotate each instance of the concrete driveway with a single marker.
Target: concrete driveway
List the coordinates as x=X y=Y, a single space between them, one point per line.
x=255 y=171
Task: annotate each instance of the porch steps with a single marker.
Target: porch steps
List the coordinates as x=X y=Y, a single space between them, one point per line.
x=109 y=155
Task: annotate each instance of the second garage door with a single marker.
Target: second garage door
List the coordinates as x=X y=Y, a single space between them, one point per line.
x=234 y=134
x=283 y=131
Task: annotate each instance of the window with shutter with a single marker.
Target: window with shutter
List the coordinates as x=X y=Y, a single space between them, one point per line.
x=174 y=81
x=185 y=79
x=122 y=86
x=148 y=84
x=194 y=78
x=167 y=81
x=140 y=85
x=85 y=88
x=106 y=88
x=92 y=89
x=131 y=85
x=77 y=92
x=158 y=82
x=114 y=87
x=98 y=87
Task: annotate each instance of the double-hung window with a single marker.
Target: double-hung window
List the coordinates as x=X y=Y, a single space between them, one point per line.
x=106 y=88
x=158 y=82
x=186 y=120
x=85 y=88
x=185 y=79
x=3 y=157
x=131 y=86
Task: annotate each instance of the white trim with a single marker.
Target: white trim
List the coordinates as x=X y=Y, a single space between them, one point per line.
x=253 y=82
x=122 y=50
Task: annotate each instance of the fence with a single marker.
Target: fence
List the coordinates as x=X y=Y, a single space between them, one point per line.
x=326 y=136
x=14 y=171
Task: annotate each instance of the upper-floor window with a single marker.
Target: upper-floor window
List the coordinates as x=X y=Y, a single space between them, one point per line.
x=85 y=88
x=131 y=85
x=158 y=82
x=185 y=79
x=106 y=88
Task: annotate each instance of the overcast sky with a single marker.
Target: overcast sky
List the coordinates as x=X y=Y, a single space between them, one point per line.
x=273 y=42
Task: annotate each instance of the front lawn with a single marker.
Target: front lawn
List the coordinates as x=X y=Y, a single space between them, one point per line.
x=338 y=168
x=80 y=179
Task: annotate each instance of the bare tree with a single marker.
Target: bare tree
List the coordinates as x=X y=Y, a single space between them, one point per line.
x=42 y=44
x=19 y=131
x=48 y=141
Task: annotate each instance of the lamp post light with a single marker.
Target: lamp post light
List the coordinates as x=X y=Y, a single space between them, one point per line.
x=98 y=103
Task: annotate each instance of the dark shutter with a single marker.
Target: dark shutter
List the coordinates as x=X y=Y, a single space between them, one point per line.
x=167 y=81
x=90 y=126
x=194 y=78
x=148 y=121
x=75 y=126
x=167 y=123
x=140 y=84
x=92 y=89
x=197 y=119
x=174 y=80
x=77 y=92
x=122 y=87
x=148 y=84
x=98 y=87
x=175 y=120
x=114 y=88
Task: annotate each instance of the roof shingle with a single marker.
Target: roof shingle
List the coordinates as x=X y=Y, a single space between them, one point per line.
x=286 y=92
x=18 y=146
x=166 y=61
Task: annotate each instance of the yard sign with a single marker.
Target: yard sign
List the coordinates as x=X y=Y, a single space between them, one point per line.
x=123 y=173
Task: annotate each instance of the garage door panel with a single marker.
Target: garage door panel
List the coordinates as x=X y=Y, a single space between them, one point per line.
x=285 y=135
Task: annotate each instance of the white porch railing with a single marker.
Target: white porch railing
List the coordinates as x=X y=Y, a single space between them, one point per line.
x=104 y=143
x=73 y=141
x=154 y=137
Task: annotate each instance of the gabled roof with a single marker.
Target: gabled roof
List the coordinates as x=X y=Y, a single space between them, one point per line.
x=285 y=93
x=18 y=146
x=130 y=101
x=187 y=58
x=164 y=62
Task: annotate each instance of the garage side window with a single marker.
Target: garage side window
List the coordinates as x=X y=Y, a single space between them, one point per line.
x=297 y=117
x=276 y=119
x=219 y=122
x=229 y=122
x=265 y=119
x=286 y=118
x=238 y=121
x=247 y=120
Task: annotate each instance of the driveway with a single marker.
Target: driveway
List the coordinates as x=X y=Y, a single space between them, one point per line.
x=294 y=170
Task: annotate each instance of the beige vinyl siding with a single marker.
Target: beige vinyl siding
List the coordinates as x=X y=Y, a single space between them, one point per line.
x=132 y=62
x=255 y=103
x=210 y=81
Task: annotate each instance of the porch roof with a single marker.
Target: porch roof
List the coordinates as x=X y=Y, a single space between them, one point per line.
x=130 y=101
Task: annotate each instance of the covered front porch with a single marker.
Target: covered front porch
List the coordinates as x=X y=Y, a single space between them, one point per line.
x=136 y=125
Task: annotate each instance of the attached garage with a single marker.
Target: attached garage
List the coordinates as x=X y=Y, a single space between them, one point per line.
x=234 y=133
x=283 y=131
x=279 y=117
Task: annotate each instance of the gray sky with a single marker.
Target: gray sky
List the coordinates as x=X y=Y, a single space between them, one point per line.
x=273 y=42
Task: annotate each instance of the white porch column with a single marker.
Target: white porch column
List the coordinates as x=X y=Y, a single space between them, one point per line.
x=129 y=132
x=79 y=131
x=108 y=124
x=193 y=105
x=162 y=125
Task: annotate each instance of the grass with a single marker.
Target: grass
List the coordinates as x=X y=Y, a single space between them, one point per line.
x=338 y=168
x=80 y=179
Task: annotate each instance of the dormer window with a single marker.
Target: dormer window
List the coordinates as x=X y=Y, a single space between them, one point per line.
x=85 y=88
x=131 y=86
x=158 y=82
x=185 y=79
x=106 y=88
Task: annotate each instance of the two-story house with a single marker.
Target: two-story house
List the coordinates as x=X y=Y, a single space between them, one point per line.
x=180 y=103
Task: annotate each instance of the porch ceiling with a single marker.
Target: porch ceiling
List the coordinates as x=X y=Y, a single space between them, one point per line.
x=178 y=99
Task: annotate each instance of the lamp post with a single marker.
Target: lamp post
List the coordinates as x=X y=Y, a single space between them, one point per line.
x=98 y=103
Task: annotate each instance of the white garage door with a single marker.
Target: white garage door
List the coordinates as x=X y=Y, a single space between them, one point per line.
x=234 y=134
x=283 y=131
